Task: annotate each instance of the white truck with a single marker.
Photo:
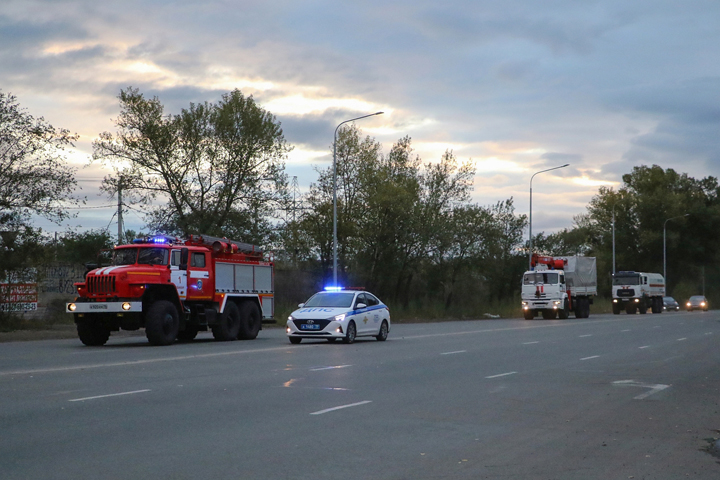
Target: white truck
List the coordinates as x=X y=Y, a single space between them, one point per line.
x=555 y=286
x=637 y=291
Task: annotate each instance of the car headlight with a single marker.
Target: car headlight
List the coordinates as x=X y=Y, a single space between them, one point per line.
x=338 y=318
x=688 y=304
x=291 y=318
x=702 y=304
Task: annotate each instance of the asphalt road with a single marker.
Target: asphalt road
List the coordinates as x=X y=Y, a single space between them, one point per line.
x=609 y=397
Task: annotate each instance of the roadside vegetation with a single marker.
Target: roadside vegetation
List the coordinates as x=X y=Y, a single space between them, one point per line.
x=407 y=228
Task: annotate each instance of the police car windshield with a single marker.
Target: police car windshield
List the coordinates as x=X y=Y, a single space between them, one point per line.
x=331 y=299
x=626 y=280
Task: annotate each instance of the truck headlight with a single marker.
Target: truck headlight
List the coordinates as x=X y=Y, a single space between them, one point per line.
x=126 y=306
x=72 y=307
x=637 y=300
x=556 y=302
x=614 y=300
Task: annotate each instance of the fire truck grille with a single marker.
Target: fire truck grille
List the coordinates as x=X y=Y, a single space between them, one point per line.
x=101 y=284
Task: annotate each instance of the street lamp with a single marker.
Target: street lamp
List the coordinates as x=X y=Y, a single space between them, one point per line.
x=613 y=235
x=665 y=249
x=531 y=179
x=335 y=284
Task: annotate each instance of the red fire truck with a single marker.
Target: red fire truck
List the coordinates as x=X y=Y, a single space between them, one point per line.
x=175 y=289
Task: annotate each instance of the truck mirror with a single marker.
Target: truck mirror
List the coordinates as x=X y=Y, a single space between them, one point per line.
x=184 y=254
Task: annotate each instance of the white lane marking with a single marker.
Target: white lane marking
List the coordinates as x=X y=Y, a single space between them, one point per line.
x=502 y=375
x=581 y=336
x=656 y=326
x=142 y=362
x=646 y=346
x=329 y=368
x=632 y=383
x=452 y=353
x=109 y=395
x=681 y=339
x=506 y=329
x=709 y=333
x=530 y=343
x=590 y=358
x=320 y=412
x=626 y=330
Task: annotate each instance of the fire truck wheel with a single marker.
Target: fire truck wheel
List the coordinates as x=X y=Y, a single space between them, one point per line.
x=92 y=334
x=657 y=305
x=565 y=312
x=188 y=334
x=528 y=314
x=162 y=323
x=229 y=324
x=250 y=321
x=351 y=333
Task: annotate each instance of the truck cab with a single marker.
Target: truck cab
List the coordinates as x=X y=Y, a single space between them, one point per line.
x=546 y=291
x=637 y=291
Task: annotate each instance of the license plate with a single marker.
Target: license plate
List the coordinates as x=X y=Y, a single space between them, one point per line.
x=309 y=327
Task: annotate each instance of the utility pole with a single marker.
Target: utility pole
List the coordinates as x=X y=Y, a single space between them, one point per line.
x=119 y=214
x=295 y=193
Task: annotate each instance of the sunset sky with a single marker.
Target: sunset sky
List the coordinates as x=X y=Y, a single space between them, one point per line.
x=517 y=86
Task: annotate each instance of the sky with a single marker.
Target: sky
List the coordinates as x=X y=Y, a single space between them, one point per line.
x=516 y=86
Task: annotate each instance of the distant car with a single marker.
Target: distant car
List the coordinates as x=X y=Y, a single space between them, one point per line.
x=697 y=302
x=669 y=303
x=339 y=314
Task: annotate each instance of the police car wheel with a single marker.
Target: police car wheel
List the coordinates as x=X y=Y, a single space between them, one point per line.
x=351 y=333
x=383 y=334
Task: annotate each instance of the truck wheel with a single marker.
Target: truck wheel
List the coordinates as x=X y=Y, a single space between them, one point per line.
x=528 y=314
x=616 y=308
x=162 y=323
x=250 y=321
x=188 y=334
x=92 y=334
x=643 y=307
x=229 y=325
x=565 y=312
x=657 y=305
x=549 y=314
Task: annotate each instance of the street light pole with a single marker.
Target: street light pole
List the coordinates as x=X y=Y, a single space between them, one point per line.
x=335 y=284
x=613 y=235
x=531 y=179
x=665 y=248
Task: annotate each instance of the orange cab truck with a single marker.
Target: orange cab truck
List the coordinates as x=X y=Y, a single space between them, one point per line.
x=175 y=289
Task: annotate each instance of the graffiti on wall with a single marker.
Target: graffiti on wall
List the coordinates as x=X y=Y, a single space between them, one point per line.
x=59 y=278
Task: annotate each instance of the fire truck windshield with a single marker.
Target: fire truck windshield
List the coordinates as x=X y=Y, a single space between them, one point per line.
x=538 y=278
x=626 y=280
x=142 y=256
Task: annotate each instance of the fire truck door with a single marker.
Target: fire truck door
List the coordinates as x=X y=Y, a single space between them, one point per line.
x=200 y=284
x=178 y=277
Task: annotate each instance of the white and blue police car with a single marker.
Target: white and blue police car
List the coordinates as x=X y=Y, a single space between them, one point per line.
x=340 y=313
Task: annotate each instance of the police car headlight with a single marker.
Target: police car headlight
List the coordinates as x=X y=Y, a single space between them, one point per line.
x=291 y=318
x=338 y=318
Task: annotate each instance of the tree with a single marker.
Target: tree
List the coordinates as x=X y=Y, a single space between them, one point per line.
x=219 y=167
x=34 y=176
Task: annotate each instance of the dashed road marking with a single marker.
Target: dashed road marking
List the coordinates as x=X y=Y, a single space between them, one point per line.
x=581 y=336
x=681 y=339
x=644 y=346
x=530 y=343
x=320 y=412
x=590 y=358
x=453 y=353
x=109 y=395
x=334 y=367
x=502 y=375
